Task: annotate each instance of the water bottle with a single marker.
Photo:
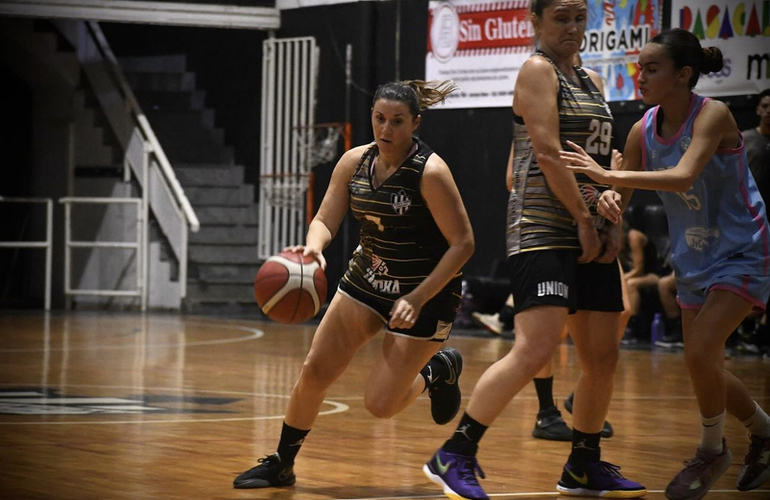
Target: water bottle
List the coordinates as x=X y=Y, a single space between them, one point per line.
x=657 y=328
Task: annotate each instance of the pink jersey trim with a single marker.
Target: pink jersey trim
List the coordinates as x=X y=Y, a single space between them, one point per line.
x=690 y=116
x=741 y=292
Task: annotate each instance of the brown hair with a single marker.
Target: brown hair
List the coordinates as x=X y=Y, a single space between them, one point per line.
x=418 y=95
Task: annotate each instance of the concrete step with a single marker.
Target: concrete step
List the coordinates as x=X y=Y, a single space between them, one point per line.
x=186 y=120
x=223 y=273
x=201 y=153
x=34 y=55
x=225 y=235
x=221 y=196
x=206 y=176
x=171 y=101
x=223 y=254
x=242 y=216
x=184 y=137
x=171 y=63
x=209 y=292
x=174 y=82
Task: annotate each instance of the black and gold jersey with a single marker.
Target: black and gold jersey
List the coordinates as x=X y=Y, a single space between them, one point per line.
x=400 y=243
x=537 y=220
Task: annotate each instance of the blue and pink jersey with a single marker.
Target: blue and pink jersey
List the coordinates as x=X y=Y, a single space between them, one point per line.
x=719 y=232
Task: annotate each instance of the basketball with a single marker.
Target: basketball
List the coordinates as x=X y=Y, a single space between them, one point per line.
x=290 y=287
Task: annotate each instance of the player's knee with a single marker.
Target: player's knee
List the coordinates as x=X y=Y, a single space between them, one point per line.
x=379 y=407
x=318 y=374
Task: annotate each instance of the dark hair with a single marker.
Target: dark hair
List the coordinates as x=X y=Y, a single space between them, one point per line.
x=416 y=94
x=685 y=50
x=538 y=6
x=762 y=95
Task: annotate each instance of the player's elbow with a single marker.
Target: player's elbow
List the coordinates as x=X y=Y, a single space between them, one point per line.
x=466 y=246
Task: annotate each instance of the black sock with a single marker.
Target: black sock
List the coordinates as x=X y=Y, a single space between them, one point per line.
x=290 y=443
x=585 y=449
x=434 y=371
x=465 y=440
x=544 y=388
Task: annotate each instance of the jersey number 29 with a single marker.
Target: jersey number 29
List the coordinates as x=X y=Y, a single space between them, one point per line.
x=600 y=138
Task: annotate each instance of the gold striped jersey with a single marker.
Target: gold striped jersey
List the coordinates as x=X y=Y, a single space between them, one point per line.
x=537 y=220
x=400 y=243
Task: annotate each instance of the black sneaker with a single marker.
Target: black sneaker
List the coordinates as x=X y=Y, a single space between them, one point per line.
x=551 y=426
x=268 y=474
x=444 y=394
x=607 y=430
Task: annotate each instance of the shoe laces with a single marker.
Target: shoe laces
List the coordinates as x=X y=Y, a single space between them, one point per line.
x=611 y=469
x=269 y=460
x=756 y=447
x=698 y=462
x=468 y=468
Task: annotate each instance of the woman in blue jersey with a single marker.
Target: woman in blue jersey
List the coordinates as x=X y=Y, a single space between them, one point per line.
x=554 y=235
x=405 y=275
x=690 y=150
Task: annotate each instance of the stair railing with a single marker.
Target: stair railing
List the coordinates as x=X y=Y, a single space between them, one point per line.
x=47 y=244
x=161 y=190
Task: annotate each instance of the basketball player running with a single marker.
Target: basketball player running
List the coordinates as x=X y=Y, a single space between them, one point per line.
x=689 y=149
x=552 y=240
x=415 y=237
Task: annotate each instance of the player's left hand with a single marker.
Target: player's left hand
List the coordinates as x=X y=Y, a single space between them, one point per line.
x=609 y=206
x=404 y=313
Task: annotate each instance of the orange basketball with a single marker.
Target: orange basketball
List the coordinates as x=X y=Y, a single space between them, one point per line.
x=290 y=287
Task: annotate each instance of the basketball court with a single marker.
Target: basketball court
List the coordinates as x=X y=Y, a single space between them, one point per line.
x=132 y=406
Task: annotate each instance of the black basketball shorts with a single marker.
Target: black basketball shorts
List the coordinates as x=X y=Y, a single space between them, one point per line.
x=436 y=317
x=554 y=277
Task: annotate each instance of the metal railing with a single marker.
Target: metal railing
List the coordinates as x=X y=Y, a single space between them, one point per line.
x=138 y=246
x=47 y=244
x=161 y=190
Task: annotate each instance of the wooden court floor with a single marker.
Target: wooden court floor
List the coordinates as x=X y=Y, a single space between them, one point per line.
x=131 y=406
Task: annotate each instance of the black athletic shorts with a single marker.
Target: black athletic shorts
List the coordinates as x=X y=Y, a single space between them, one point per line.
x=436 y=316
x=554 y=277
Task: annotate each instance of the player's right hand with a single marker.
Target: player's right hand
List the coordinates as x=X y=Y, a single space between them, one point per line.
x=312 y=252
x=589 y=242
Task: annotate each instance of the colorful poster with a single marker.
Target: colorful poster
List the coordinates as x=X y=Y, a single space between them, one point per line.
x=617 y=30
x=480 y=45
x=741 y=30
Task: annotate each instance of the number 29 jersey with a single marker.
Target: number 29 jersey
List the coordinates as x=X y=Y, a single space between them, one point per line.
x=537 y=220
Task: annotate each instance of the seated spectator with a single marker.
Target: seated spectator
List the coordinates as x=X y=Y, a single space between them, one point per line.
x=640 y=263
x=671 y=311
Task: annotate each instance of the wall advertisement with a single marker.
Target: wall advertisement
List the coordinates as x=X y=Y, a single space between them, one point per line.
x=741 y=30
x=616 y=32
x=481 y=45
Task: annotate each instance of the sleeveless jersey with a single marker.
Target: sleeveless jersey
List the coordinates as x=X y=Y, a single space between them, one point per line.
x=718 y=227
x=400 y=243
x=537 y=220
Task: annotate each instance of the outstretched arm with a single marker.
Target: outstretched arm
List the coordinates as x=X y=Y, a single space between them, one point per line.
x=711 y=129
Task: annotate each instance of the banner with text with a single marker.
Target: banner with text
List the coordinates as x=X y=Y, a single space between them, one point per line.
x=480 y=45
x=741 y=30
x=616 y=32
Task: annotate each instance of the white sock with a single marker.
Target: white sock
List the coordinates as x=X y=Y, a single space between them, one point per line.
x=711 y=432
x=759 y=423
